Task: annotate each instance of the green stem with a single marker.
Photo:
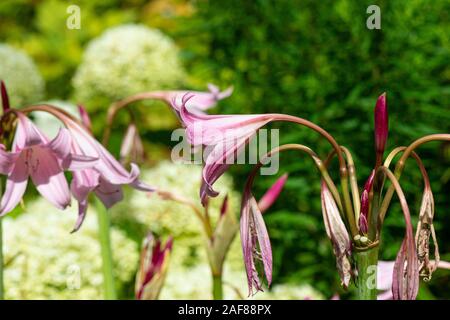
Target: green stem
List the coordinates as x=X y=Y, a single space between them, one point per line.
x=366 y=263
x=105 y=246
x=217 y=286
x=2 y=288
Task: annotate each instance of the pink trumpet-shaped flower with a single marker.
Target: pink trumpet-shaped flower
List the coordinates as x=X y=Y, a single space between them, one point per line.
x=271 y=195
x=201 y=101
x=381 y=124
x=255 y=242
x=336 y=231
x=105 y=178
x=153 y=268
x=224 y=135
x=32 y=155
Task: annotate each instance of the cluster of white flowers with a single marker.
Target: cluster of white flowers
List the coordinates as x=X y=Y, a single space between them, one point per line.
x=21 y=76
x=126 y=60
x=165 y=218
x=45 y=261
x=188 y=276
x=195 y=284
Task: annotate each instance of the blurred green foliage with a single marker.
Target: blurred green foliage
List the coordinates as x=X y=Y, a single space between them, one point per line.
x=318 y=60
x=313 y=59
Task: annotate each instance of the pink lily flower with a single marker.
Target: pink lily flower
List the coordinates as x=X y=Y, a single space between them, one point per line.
x=225 y=135
x=44 y=161
x=105 y=179
x=201 y=101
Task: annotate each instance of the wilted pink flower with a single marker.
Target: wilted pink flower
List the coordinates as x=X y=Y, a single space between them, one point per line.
x=32 y=155
x=405 y=280
x=384 y=277
x=153 y=268
x=338 y=235
x=272 y=194
x=381 y=124
x=255 y=242
x=425 y=230
x=225 y=135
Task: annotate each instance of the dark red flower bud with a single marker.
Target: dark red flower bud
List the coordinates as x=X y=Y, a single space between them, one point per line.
x=5 y=98
x=381 y=125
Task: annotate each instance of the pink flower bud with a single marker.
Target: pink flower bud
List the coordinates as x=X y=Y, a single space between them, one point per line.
x=381 y=124
x=272 y=194
x=5 y=99
x=224 y=207
x=369 y=182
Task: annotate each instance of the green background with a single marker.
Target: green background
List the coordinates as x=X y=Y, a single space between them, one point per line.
x=313 y=59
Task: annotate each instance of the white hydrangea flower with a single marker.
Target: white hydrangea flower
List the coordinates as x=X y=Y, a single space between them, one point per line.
x=126 y=60
x=21 y=76
x=45 y=261
x=165 y=217
x=194 y=284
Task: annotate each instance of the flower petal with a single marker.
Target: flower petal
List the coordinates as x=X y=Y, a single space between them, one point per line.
x=27 y=134
x=82 y=208
x=49 y=178
x=61 y=144
x=109 y=193
x=7 y=160
x=16 y=185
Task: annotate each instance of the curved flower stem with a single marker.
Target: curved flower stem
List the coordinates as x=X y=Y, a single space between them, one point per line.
x=423 y=171
x=353 y=182
x=342 y=164
x=106 y=252
x=401 y=164
x=117 y=106
x=317 y=161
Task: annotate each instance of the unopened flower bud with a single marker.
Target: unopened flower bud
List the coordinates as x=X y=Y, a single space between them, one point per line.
x=272 y=194
x=381 y=125
x=5 y=98
x=153 y=268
